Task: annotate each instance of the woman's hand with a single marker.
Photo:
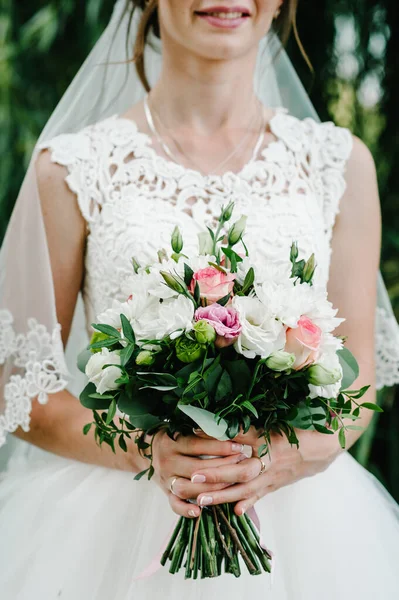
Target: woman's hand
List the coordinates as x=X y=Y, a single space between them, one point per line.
x=175 y=461
x=285 y=465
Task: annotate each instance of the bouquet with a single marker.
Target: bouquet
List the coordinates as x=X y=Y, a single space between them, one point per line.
x=221 y=341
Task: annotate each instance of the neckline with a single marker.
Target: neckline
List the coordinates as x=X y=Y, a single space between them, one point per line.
x=156 y=157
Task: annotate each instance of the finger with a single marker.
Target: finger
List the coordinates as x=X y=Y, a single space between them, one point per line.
x=235 y=493
x=185 y=466
x=243 y=506
x=244 y=471
x=183 y=508
x=193 y=445
x=184 y=489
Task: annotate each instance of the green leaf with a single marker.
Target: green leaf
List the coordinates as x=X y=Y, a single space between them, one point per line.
x=102 y=396
x=122 y=443
x=223 y=301
x=141 y=474
x=188 y=274
x=104 y=343
x=197 y=292
x=372 y=406
x=224 y=387
x=83 y=358
x=322 y=429
x=206 y=421
x=87 y=428
x=111 y=412
x=341 y=438
x=335 y=424
x=233 y=429
x=107 y=329
x=355 y=427
x=248 y=405
x=127 y=329
x=126 y=354
x=98 y=403
x=249 y=280
x=349 y=366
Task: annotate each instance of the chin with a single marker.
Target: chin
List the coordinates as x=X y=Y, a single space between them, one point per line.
x=224 y=48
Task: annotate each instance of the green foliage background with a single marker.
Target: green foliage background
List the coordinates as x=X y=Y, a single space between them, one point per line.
x=43 y=43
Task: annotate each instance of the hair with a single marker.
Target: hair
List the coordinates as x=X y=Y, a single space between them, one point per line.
x=284 y=24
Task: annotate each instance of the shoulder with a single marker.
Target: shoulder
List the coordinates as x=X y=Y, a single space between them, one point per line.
x=325 y=144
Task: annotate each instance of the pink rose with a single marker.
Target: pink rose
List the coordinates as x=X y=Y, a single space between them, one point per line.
x=213 y=284
x=224 y=320
x=304 y=342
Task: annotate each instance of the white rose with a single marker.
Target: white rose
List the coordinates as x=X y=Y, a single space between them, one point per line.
x=104 y=379
x=261 y=333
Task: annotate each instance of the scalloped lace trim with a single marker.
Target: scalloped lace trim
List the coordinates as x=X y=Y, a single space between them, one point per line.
x=40 y=356
x=387 y=349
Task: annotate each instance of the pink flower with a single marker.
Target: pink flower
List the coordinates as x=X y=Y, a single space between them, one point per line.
x=304 y=342
x=213 y=284
x=225 y=321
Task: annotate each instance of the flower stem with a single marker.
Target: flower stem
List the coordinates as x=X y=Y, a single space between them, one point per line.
x=189 y=549
x=172 y=540
x=251 y=567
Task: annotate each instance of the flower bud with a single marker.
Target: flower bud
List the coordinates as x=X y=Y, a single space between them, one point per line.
x=175 y=283
x=227 y=212
x=294 y=252
x=280 y=361
x=204 y=332
x=177 y=240
x=189 y=351
x=237 y=230
x=309 y=269
x=205 y=243
x=136 y=265
x=162 y=255
x=145 y=357
x=319 y=375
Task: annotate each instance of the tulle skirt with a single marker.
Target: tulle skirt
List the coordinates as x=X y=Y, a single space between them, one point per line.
x=72 y=531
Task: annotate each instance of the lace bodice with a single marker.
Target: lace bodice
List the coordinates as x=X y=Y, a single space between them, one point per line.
x=132 y=198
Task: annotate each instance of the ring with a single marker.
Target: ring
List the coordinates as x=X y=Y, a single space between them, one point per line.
x=263 y=466
x=172 y=484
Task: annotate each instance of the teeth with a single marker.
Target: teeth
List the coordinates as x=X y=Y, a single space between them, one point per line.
x=223 y=15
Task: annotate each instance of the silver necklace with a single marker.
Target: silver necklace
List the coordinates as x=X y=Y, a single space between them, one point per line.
x=171 y=154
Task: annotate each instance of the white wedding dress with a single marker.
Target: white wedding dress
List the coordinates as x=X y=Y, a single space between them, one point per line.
x=72 y=531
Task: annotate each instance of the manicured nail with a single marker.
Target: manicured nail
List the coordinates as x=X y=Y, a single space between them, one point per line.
x=205 y=500
x=242 y=510
x=247 y=450
x=237 y=447
x=198 y=479
x=192 y=513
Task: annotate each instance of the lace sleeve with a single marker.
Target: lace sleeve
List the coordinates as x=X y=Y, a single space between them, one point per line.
x=32 y=363
x=77 y=152
x=330 y=149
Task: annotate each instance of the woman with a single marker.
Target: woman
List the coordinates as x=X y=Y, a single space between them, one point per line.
x=73 y=522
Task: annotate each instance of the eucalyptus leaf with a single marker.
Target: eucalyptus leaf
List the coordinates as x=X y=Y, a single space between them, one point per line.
x=349 y=366
x=83 y=358
x=206 y=421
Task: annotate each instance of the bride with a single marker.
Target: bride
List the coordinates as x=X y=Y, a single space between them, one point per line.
x=112 y=182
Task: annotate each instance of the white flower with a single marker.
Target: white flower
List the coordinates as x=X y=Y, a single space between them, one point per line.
x=330 y=361
x=289 y=302
x=111 y=316
x=261 y=333
x=157 y=319
x=104 y=379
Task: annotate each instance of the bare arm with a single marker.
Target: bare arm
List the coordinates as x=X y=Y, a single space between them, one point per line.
x=57 y=426
x=355 y=260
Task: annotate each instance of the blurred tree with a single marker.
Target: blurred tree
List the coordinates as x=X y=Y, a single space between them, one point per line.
x=353 y=48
